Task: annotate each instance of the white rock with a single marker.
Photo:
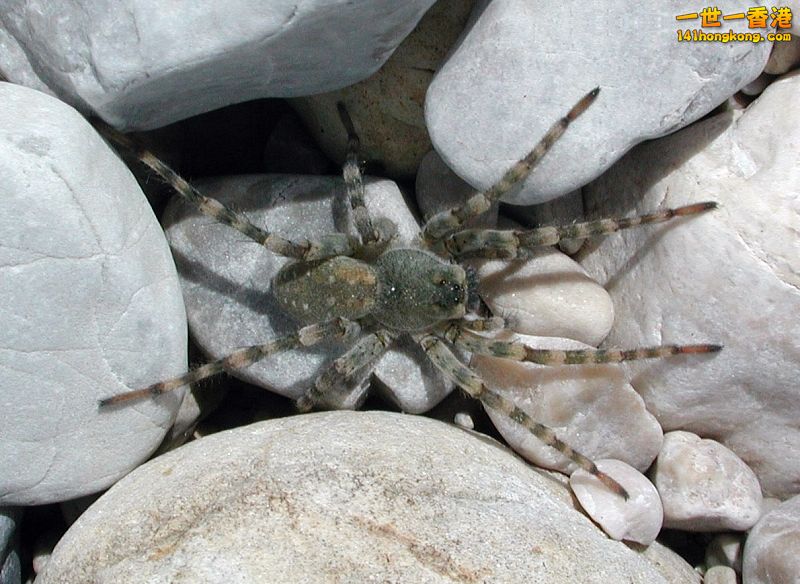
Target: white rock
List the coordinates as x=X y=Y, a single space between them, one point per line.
x=731 y=277
x=145 y=64
x=91 y=307
x=354 y=495
x=547 y=295
x=227 y=281
x=720 y=575
x=387 y=107
x=592 y=408
x=638 y=519
x=704 y=486
x=772 y=550
x=725 y=550
x=438 y=188
x=514 y=73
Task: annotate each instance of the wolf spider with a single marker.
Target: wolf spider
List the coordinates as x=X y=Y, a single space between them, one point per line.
x=339 y=284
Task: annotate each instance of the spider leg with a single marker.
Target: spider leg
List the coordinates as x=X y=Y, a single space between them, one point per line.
x=354 y=181
x=493 y=243
x=305 y=337
x=462 y=375
x=332 y=382
x=446 y=222
x=331 y=245
x=517 y=351
x=493 y=323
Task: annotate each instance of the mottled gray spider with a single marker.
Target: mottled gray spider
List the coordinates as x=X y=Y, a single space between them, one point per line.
x=340 y=284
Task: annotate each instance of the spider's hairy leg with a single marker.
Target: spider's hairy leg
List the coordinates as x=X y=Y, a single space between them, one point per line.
x=332 y=382
x=462 y=375
x=517 y=351
x=332 y=245
x=519 y=244
x=354 y=181
x=305 y=337
x=444 y=223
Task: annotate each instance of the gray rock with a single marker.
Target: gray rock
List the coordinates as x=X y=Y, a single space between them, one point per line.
x=704 y=486
x=731 y=277
x=141 y=65
x=515 y=72
x=91 y=307
x=592 y=408
x=227 y=282
x=772 y=550
x=354 y=496
x=10 y=566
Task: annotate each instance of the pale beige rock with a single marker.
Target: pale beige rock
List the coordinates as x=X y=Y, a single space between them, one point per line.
x=731 y=277
x=592 y=408
x=772 y=550
x=387 y=107
x=547 y=295
x=720 y=575
x=637 y=519
x=725 y=550
x=784 y=56
x=365 y=496
x=704 y=486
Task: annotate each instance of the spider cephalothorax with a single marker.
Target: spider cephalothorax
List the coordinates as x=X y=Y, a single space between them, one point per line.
x=340 y=285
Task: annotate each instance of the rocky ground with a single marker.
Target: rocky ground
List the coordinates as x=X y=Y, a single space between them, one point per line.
x=100 y=279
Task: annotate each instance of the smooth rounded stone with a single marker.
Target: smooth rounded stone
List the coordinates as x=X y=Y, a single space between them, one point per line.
x=146 y=64
x=514 y=73
x=438 y=188
x=227 y=282
x=785 y=56
x=730 y=277
x=591 y=407
x=386 y=108
x=638 y=519
x=547 y=295
x=91 y=307
x=374 y=495
x=725 y=550
x=720 y=575
x=10 y=565
x=772 y=550
x=464 y=420
x=704 y=486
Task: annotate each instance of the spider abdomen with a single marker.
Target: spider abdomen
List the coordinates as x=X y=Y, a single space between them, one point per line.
x=322 y=290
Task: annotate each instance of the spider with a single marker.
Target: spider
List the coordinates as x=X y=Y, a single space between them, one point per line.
x=340 y=285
